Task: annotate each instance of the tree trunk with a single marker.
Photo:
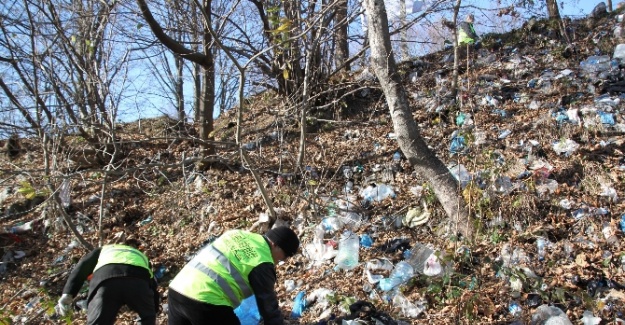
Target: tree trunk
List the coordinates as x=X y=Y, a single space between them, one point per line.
x=609 y=2
x=180 y=89
x=208 y=70
x=340 y=38
x=403 y=33
x=552 y=9
x=412 y=144
x=454 y=80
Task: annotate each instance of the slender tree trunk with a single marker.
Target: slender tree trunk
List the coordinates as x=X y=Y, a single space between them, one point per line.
x=552 y=9
x=208 y=82
x=609 y=3
x=454 y=82
x=180 y=89
x=412 y=144
x=403 y=33
x=342 y=45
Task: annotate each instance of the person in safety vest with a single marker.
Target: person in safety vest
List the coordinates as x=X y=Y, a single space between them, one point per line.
x=235 y=266
x=466 y=32
x=119 y=275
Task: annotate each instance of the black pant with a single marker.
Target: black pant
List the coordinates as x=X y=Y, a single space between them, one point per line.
x=113 y=293
x=187 y=311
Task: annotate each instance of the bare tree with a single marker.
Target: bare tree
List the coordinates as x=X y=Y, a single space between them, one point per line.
x=412 y=144
x=205 y=59
x=64 y=74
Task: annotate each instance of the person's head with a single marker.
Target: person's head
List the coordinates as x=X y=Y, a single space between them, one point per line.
x=283 y=241
x=469 y=18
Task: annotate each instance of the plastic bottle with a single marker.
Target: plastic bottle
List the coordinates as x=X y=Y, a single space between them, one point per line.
x=347 y=256
x=247 y=312
x=299 y=304
x=400 y=274
x=540 y=247
x=419 y=254
x=377 y=193
x=396 y=157
x=622 y=223
x=379 y=264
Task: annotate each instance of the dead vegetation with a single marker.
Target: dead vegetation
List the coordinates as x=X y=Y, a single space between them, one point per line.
x=161 y=196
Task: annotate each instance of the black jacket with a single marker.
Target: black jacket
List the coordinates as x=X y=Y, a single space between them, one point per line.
x=87 y=264
x=262 y=281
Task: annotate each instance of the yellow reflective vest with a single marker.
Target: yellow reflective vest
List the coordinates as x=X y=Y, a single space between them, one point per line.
x=218 y=274
x=122 y=254
x=466 y=33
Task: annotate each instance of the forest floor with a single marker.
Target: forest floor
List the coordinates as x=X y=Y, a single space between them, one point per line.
x=539 y=158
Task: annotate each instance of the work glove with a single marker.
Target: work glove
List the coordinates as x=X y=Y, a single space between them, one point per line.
x=64 y=304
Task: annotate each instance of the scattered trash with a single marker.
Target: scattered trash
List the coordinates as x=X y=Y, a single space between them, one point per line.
x=566 y=147
x=589 y=319
x=408 y=309
x=515 y=309
x=546 y=314
x=366 y=240
x=347 y=256
x=377 y=192
x=424 y=260
x=402 y=272
x=299 y=305
x=416 y=216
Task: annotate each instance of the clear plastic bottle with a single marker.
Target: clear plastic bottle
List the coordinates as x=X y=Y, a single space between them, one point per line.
x=419 y=254
x=541 y=242
x=347 y=256
x=400 y=274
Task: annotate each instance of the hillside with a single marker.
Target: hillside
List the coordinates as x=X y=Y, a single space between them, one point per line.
x=537 y=142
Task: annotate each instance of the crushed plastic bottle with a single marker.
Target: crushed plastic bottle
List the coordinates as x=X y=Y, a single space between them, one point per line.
x=408 y=308
x=400 y=274
x=540 y=248
x=424 y=260
x=622 y=223
x=458 y=144
x=379 y=264
x=377 y=192
x=331 y=224
x=347 y=256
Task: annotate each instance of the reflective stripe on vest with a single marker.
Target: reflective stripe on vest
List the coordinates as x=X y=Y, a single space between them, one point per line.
x=122 y=254
x=218 y=274
x=223 y=284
